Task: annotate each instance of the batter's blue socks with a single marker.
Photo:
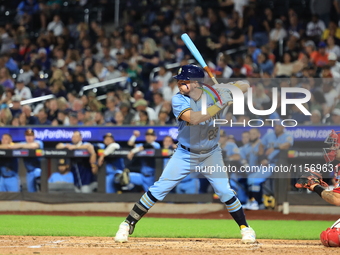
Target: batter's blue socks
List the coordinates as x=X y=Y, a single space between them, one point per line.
x=148 y=200
x=236 y=211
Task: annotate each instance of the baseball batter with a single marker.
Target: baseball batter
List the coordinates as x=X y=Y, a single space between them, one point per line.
x=198 y=146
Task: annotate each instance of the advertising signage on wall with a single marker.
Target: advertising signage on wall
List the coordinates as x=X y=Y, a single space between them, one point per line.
x=123 y=133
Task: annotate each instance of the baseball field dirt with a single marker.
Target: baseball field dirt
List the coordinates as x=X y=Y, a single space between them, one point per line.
x=105 y=245
x=149 y=246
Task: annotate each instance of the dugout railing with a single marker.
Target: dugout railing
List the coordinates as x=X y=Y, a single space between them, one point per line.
x=49 y=157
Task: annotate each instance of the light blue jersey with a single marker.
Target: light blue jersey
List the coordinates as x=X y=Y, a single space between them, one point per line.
x=202 y=140
x=199 y=137
x=249 y=152
x=231 y=149
x=58 y=177
x=270 y=140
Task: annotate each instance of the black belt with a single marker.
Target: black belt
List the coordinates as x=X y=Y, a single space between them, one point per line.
x=199 y=152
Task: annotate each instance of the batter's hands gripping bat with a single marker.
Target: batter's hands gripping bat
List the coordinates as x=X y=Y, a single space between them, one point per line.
x=194 y=51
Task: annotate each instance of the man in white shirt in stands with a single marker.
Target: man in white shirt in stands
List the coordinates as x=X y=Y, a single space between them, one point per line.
x=56 y=26
x=22 y=91
x=142 y=105
x=171 y=90
x=334 y=64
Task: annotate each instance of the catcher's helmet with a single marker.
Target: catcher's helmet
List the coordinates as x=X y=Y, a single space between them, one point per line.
x=188 y=72
x=333 y=139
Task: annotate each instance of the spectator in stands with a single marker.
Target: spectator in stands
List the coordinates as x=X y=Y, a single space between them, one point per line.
x=253 y=51
x=112 y=72
x=158 y=101
x=111 y=110
x=278 y=33
x=26 y=9
x=149 y=60
x=295 y=26
x=5 y=78
x=9 y=176
x=63 y=118
x=42 y=89
x=257 y=27
x=332 y=30
x=329 y=92
x=335 y=116
x=297 y=115
x=235 y=36
x=320 y=58
x=142 y=105
x=315 y=118
x=58 y=89
x=42 y=117
x=100 y=71
x=91 y=77
x=63 y=175
x=16 y=108
x=9 y=61
x=260 y=97
x=127 y=112
x=163 y=77
x=222 y=66
x=5 y=116
x=42 y=60
x=83 y=169
x=73 y=118
x=52 y=112
x=163 y=118
x=332 y=47
x=26 y=74
x=22 y=91
x=284 y=68
x=30 y=119
x=56 y=26
x=334 y=65
x=171 y=90
x=315 y=28
x=265 y=64
x=119 y=118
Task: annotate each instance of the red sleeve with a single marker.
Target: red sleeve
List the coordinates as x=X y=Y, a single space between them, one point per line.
x=336 y=190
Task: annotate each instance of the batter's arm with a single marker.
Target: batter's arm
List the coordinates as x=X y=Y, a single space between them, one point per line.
x=194 y=118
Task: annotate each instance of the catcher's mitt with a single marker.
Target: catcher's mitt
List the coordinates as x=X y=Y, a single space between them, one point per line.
x=309 y=178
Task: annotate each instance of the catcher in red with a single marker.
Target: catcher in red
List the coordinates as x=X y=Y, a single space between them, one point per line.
x=331 y=236
x=313 y=181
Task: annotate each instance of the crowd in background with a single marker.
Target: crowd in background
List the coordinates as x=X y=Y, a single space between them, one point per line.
x=45 y=52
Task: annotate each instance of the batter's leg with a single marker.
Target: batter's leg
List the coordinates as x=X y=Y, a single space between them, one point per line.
x=220 y=182
x=177 y=169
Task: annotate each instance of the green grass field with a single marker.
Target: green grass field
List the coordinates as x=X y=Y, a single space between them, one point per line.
x=39 y=225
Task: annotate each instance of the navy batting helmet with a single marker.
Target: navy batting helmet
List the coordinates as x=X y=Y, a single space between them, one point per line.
x=188 y=72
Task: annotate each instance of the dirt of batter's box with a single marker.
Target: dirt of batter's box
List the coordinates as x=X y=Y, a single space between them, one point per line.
x=224 y=214
x=106 y=245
